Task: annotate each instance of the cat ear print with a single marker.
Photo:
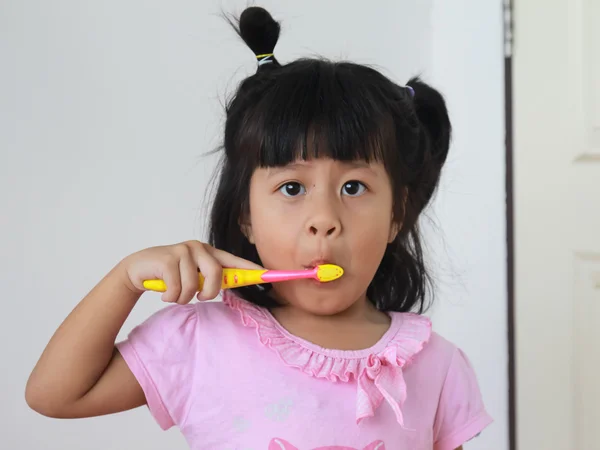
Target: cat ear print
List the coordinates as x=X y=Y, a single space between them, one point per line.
x=280 y=444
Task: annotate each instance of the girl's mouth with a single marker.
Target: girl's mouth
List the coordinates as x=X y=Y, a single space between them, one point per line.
x=317 y=262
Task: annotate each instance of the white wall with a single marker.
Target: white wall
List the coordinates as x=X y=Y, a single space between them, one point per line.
x=470 y=211
x=106 y=109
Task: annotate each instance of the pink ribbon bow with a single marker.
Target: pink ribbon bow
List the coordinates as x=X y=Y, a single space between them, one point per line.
x=381 y=379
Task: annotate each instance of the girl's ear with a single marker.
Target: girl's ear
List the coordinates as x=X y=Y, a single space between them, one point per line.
x=247 y=231
x=394 y=230
x=396 y=224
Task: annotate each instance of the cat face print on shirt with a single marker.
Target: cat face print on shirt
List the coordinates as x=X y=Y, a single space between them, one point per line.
x=280 y=444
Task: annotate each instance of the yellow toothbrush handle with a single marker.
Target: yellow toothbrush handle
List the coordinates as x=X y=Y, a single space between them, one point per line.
x=232 y=278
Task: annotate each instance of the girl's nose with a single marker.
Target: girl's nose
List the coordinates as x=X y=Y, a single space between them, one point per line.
x=324 y=225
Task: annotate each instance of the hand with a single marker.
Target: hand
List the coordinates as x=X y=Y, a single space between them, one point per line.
x=178 y=265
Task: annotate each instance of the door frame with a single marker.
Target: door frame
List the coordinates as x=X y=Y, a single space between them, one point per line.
x=509 y=186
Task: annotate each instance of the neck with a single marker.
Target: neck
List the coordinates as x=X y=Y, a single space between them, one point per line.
x=360 y=310
x=357 y=327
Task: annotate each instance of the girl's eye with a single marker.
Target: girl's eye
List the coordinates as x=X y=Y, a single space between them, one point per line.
x=292 y=189
x=354 y=188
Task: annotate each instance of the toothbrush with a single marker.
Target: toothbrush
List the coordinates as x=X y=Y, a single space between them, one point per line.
x=233 y=278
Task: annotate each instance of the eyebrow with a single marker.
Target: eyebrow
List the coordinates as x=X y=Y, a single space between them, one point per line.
x=358 y=164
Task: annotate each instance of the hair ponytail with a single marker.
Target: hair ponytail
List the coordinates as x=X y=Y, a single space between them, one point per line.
x=431 y=111
x=435 y=133
x=260 y=32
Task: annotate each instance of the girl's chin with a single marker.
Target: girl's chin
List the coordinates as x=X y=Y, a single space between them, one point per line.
x=316 y=298
x=323 y=304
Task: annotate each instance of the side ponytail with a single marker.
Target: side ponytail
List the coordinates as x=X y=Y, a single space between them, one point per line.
x=435 y=131
x=431 y=110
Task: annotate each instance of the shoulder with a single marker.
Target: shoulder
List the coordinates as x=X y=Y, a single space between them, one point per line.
x=180 y=324
x=428 y=350
x=460 y=412
x=441 y=359
x=437 y=360
x=439 y=349
x=192 y=312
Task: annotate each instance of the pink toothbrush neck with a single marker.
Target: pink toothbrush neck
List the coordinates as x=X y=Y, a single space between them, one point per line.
x=273 y=276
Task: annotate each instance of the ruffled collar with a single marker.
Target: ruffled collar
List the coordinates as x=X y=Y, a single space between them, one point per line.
x=376 y=370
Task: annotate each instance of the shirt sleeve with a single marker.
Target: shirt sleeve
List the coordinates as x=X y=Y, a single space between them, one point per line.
x=461 y=414
x=161 y=355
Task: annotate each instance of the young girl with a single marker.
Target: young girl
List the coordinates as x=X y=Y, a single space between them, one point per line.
x=323 y=163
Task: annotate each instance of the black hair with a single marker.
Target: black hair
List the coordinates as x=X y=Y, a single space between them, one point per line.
x=312 y=108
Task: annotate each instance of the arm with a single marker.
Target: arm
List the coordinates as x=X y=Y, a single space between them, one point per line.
x=80 y=373
x=461 y=415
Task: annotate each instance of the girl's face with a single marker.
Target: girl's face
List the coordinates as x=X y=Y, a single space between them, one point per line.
x=322 y=211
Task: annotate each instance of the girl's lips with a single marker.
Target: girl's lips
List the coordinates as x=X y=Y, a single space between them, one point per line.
x=317 y=262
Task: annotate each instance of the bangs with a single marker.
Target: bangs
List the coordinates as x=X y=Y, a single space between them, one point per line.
x=317 y=109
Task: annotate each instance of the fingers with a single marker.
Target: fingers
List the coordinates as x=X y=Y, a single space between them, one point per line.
x=180 y=271
x=212 y=272
x=172 y=278
x=188 y=270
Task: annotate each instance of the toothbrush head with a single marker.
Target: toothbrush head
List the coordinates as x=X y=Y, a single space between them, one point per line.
x=328 y=272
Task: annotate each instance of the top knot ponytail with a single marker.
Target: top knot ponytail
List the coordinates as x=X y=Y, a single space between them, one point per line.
x=260 y=32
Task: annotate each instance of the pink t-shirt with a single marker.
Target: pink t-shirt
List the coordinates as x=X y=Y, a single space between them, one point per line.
x=230 y=377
